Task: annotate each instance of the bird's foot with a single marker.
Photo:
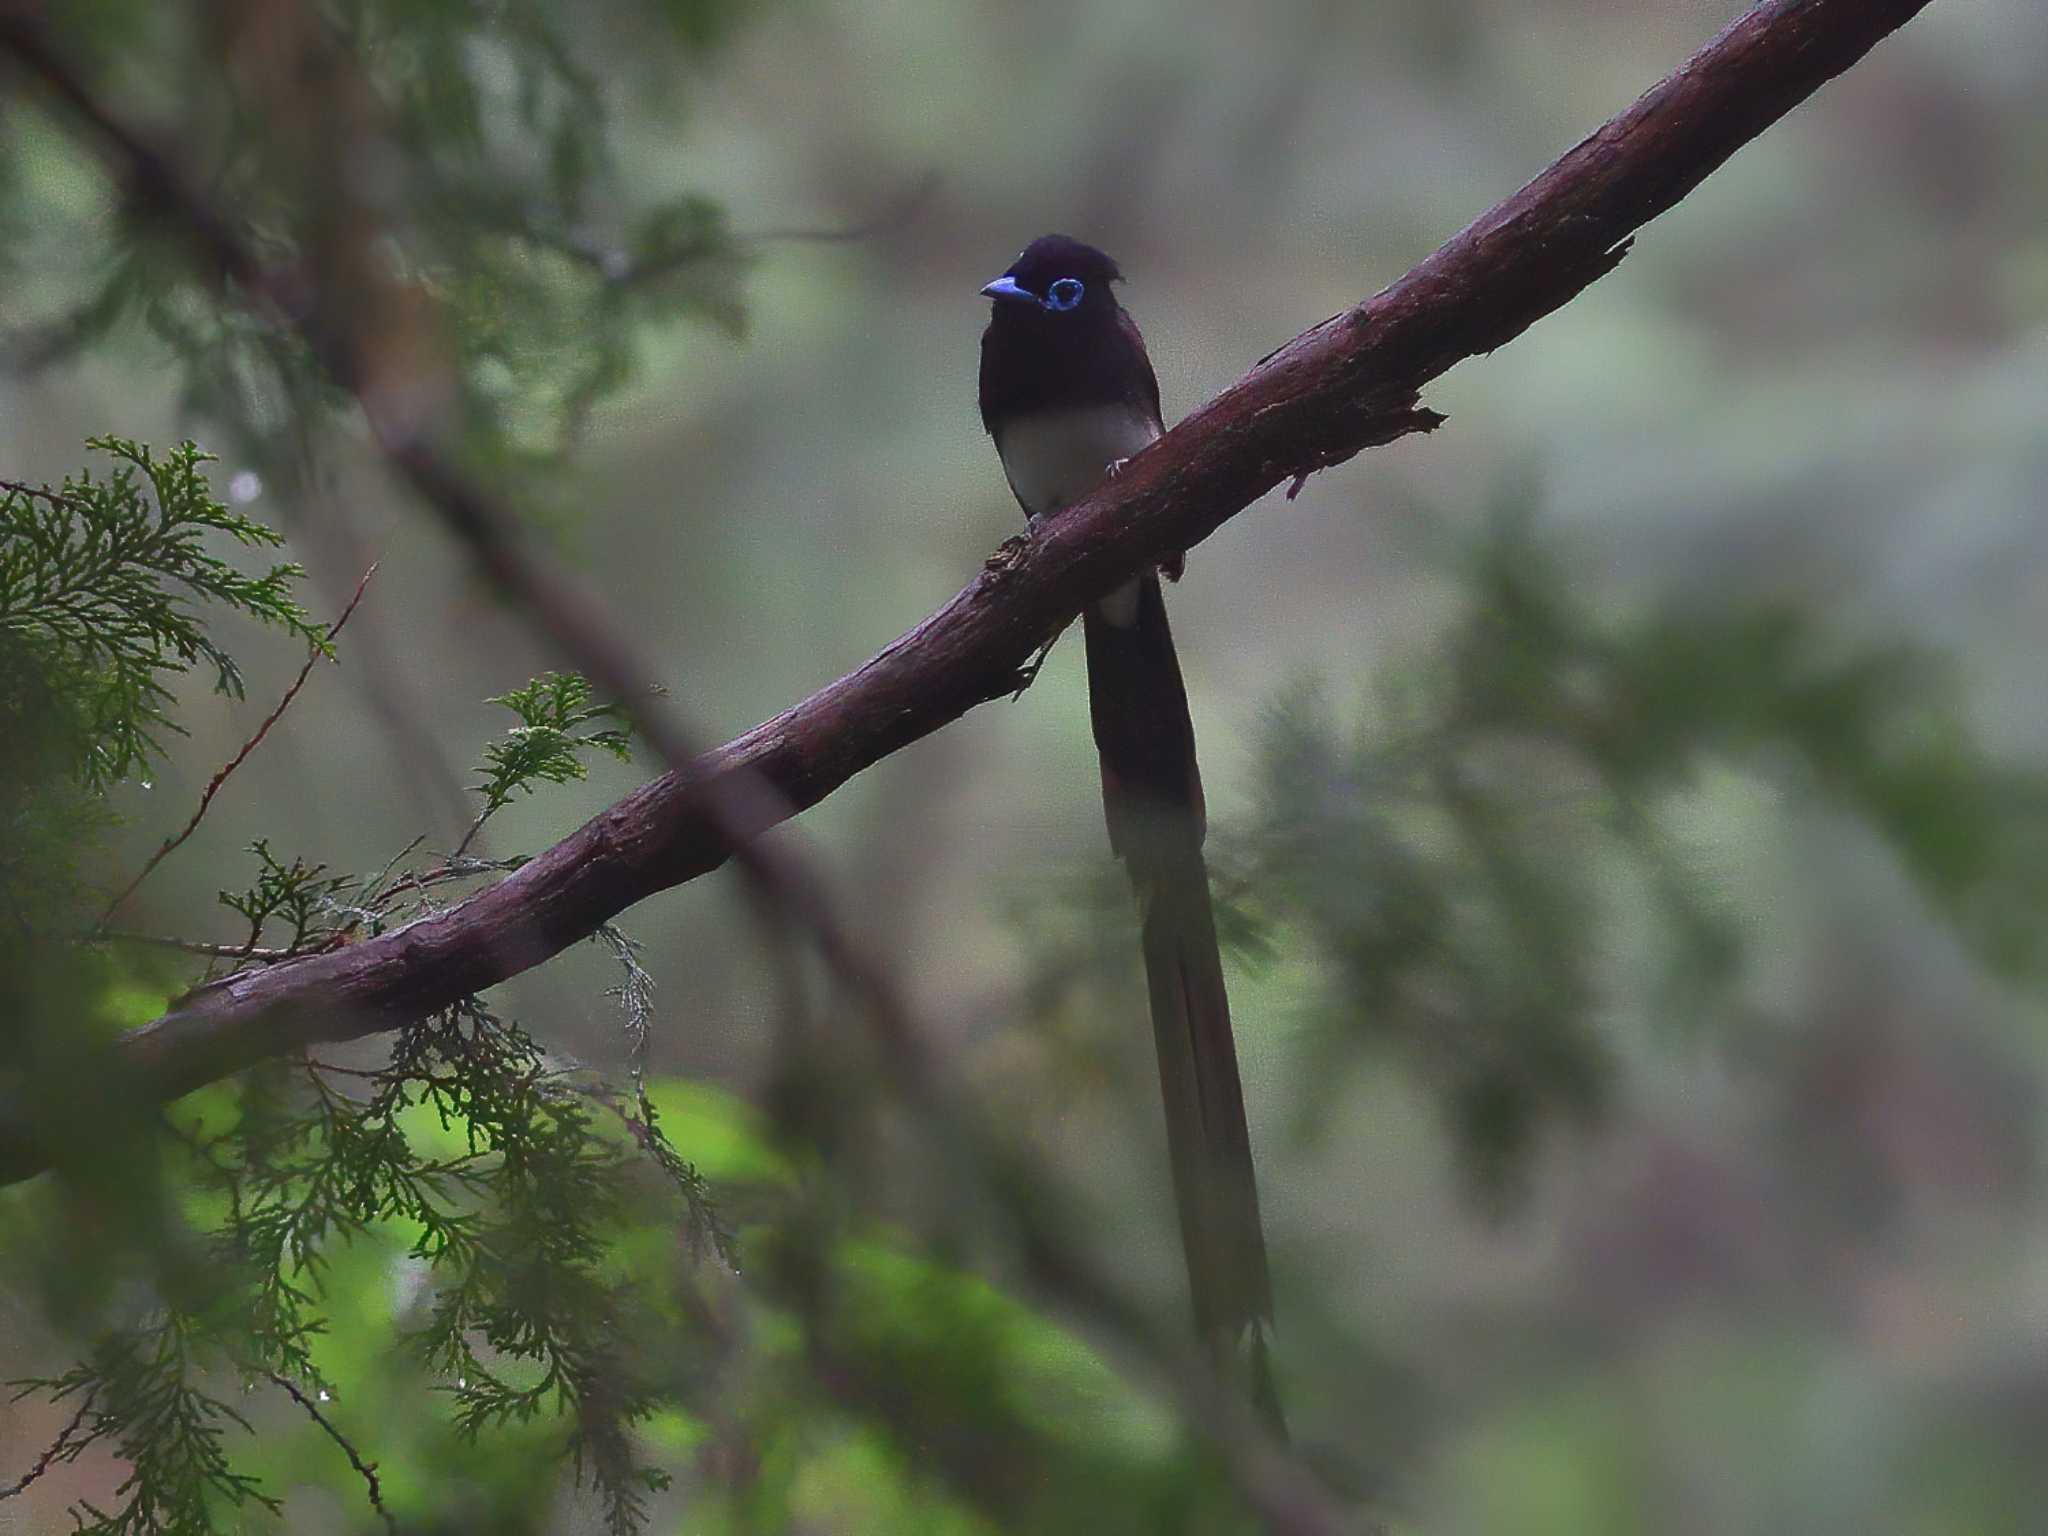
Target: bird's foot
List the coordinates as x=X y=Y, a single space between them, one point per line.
x=1115 y=467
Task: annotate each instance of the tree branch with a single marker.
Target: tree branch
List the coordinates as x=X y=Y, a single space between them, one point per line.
x=1347 y=384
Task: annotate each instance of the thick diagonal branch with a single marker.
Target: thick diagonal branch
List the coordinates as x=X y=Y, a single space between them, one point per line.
x=1345 y=385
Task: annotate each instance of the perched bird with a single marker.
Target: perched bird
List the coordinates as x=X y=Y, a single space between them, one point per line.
x=1068 y=394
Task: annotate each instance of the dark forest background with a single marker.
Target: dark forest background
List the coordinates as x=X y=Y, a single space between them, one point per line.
x=1628 y=801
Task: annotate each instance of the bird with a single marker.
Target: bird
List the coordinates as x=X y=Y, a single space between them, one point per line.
x=1069 y=395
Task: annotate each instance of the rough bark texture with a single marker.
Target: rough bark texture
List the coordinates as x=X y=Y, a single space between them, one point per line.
x=1345 y=385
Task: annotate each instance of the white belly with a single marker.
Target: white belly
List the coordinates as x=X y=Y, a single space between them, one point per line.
x=1055 y=458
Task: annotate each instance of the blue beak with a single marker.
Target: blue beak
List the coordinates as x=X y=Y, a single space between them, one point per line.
x=1005 y=287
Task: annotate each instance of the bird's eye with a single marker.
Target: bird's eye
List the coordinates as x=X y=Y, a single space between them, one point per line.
x=1065 y=293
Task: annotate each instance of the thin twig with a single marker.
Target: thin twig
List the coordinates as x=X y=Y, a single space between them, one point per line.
x=54 y=1453
x=382 y=1076
x=198 y=946
x=42 y=493
x=366 y=1469
x=374 y=891
x=475 y=826
x=171 y=844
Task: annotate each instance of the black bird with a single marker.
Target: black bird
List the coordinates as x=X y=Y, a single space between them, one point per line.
x=1068 y=394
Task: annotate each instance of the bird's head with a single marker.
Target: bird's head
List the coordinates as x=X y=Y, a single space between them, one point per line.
x=1058 y=275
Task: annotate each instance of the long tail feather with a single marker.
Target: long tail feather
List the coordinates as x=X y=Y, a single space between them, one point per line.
x=1152 y=799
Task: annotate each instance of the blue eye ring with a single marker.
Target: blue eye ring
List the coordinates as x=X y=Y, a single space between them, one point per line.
x=1064 y=294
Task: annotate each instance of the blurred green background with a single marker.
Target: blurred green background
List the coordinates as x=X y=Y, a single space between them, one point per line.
x=1781 y=1263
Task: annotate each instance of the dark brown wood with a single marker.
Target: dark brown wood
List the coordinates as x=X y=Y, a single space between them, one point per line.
x=1345 y=385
